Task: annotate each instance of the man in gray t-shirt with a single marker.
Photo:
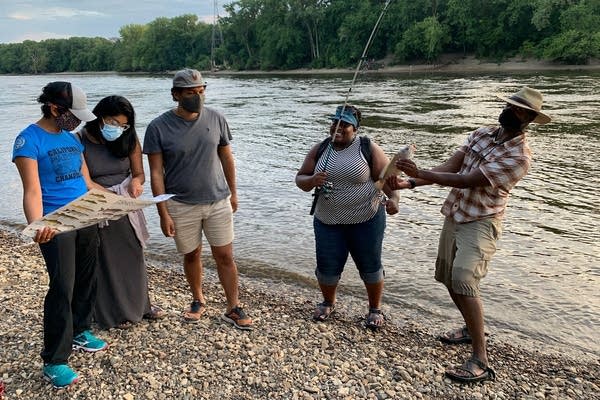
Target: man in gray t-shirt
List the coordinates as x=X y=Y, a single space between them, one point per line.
x=189 y=153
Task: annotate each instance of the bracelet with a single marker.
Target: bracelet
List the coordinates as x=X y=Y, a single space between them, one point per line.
x=412 y=182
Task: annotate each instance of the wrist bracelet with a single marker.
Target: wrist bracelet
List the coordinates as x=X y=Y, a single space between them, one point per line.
x=412 y=182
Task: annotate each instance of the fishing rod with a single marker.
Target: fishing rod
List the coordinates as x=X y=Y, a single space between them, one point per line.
x=358 y=67
x=364 y=53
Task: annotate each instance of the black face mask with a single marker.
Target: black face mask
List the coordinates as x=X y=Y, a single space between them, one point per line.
x=509 y=120
x=192 y=103
x=67 y=121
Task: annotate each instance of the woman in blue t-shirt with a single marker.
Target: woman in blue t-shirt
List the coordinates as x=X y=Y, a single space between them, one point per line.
x=53 y=172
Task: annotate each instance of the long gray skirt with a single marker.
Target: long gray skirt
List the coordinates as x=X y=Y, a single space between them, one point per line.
x=122 y=277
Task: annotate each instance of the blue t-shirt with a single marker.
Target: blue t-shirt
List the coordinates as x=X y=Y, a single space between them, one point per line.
x=59 y=164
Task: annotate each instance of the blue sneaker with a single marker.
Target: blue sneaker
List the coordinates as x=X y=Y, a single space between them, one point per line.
x=60 y=375
x=86 y=341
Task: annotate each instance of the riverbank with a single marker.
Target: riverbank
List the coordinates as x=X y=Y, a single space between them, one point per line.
x=447 y=64
x=287 y=356
x=451 y=64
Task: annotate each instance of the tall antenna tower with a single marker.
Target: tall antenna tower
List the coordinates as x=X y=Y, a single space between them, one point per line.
x=217 y=36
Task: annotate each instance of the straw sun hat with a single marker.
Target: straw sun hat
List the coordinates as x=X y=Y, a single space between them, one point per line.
x=529 y=99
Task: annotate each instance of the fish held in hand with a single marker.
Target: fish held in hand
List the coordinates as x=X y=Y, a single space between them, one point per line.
x=406 y=152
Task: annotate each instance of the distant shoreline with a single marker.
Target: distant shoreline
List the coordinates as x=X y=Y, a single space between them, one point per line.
x=449 y=65
x=462 y=65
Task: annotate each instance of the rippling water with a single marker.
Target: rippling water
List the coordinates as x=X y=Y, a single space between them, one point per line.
x=544 y=280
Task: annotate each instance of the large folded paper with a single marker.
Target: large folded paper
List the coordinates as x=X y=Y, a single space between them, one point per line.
x=93 y=207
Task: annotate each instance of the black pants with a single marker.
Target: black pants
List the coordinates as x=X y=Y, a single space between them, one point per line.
x=71 y=260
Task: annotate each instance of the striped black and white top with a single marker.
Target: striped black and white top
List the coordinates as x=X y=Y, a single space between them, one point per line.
x=353 y=198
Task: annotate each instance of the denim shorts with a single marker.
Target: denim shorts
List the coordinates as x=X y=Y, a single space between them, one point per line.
x=362 y=241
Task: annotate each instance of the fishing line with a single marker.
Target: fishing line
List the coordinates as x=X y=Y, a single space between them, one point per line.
x=364 y=53
x=358 y=67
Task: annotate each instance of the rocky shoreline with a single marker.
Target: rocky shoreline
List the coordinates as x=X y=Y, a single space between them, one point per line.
x=286 y=356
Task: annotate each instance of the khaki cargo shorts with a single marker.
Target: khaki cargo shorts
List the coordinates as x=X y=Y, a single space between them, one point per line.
x=215 y=220
x=464 y=253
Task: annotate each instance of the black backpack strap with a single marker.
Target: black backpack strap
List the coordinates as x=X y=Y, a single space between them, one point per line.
x=322 y=148
x=365 y=148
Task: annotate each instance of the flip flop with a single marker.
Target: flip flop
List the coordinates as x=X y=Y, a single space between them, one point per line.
x=194 y=312
x=323 y=311
x=487 y=374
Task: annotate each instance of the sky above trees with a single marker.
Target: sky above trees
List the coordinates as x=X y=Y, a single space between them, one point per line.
x=58 y=19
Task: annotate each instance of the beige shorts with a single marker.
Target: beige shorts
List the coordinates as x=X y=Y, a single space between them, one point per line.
x=464 y=253
x=215 y=219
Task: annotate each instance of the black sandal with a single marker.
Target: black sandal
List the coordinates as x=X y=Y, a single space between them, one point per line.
x=457 y=336
x=323 y=311
x=451 y=337
x=155 y=313
x=487 y=374
x=375 y=319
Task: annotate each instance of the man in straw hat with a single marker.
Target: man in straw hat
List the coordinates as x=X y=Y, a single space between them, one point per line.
x=482 y=173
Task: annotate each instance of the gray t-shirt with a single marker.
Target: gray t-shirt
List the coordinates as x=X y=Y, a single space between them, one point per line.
x=192 y=167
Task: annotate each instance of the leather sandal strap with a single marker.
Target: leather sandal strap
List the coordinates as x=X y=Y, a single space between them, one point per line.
x=478 y=362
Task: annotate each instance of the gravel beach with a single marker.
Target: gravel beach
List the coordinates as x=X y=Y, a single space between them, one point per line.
x=286 y=356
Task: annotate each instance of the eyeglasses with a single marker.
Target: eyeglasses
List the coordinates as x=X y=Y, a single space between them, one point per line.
x=113 y=122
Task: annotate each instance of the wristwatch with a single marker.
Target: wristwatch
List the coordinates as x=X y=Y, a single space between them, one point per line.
x=412 y=182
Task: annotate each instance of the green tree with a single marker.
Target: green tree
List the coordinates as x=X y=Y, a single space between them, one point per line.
x=167 y=43
x=578 y=39
x=127 y=49
x=8 y=58
x=281 y=38
x=34 y=57
x=424 y=40
x=310 y=15
x=240 y=33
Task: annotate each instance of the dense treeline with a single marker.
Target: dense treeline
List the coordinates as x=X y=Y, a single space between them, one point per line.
x=287 y=34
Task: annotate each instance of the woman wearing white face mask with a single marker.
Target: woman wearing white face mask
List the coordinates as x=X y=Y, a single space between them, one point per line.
x=114 y=158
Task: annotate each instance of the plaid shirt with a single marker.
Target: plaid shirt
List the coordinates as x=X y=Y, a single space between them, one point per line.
x=503 y=164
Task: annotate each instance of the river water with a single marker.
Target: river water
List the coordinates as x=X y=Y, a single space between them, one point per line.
x=543 y=285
